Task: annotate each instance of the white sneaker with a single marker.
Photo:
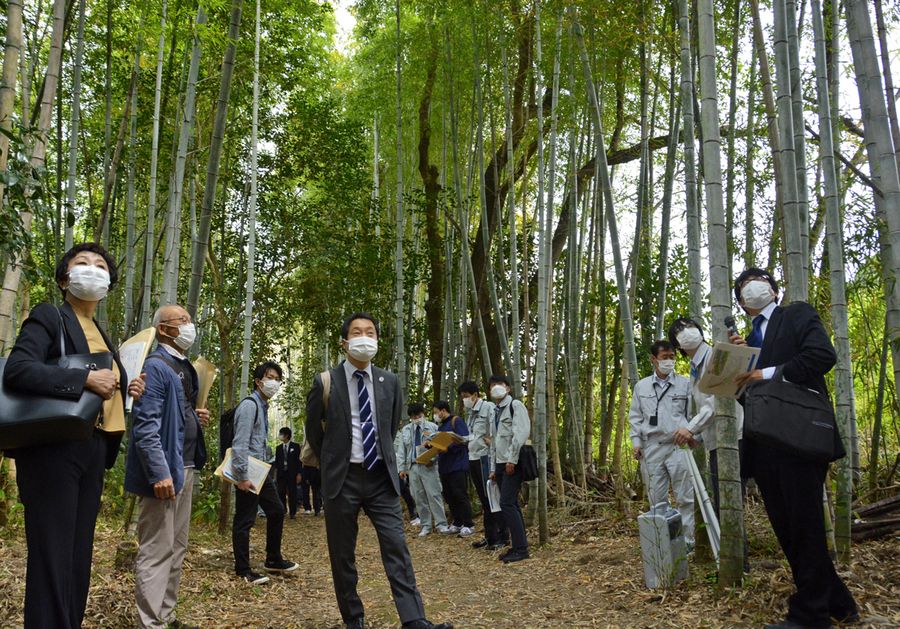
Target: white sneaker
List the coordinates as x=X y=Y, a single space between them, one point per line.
x=415 y=522
x=424 y=532
x=453 y=529
x=307 y=512
x=443 y=529
x=466 y=531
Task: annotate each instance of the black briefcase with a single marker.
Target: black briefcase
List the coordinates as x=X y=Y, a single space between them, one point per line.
x=27 y=419
x=793 y=418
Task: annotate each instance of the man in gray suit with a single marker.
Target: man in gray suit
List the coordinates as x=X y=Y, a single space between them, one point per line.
x=351 y=422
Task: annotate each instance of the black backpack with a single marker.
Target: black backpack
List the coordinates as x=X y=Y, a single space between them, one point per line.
x=226 y=428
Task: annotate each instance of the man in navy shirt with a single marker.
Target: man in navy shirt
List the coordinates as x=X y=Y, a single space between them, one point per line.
x=453 y=466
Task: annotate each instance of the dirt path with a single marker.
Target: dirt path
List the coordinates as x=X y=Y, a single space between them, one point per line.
x=589 y=576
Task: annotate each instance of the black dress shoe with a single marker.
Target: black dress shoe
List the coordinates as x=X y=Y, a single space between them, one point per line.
x=480 y=544
x=356 y=623
x=423 y=623
x=515 y=555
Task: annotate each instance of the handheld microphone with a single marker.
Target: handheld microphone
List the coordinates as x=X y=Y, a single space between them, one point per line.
x=730 y=326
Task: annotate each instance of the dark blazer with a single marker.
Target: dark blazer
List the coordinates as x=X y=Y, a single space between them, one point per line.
x=797 y=341
x=293 y=459
x=332 y=442
x=156 y=448
x=38 y=343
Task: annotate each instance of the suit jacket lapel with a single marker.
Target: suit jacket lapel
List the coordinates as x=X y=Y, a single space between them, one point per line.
x=771 y=333
x=381 y=402
x=340 y=391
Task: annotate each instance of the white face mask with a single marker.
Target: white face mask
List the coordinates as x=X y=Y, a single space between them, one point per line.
x=469 y=402
x=362 y=348
x=437 y=418
x=666 y=365
x=689 y=339
x=498 y=391
x=418 y=420
x=187 y=334
x=269 y=387
x=90 y=283
x=757 y=294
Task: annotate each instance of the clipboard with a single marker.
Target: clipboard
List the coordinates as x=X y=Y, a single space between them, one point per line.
x=440 y=443
x=724 y=364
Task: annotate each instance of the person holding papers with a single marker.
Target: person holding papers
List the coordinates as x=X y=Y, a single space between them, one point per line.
x=793 y=338
x=165 y=448
x=659 y=407
x=251 y=430
x=687 y=336
x=478 y=414
x=453 y=466
x=424 y=481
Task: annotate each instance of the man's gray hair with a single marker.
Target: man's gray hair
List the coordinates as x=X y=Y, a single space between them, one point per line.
x=157 y=316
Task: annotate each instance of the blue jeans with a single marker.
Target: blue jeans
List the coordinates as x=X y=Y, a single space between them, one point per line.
x=509 y=506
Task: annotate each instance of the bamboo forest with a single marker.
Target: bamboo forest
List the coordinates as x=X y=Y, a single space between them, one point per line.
x=544 y=191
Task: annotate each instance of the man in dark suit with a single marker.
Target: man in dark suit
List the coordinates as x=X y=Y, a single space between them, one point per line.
x=287 y=470
x=793 y=338
x=352 y=419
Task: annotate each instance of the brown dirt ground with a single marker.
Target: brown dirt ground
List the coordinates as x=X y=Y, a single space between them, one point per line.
x=589 y=575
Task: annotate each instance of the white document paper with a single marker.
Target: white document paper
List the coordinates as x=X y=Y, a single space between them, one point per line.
x=724 y=364
x=493 y=495
x=132 y=354
x=257 y=471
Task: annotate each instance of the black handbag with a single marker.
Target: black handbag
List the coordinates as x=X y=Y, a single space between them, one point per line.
x=792 y=417
x=528 y=465
x=27 y=419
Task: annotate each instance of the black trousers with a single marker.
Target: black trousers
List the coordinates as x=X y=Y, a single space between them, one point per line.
x=287 y=492
x=311 y=483
x=792 y=492
x=60 y=486
x=373 y=492
x=407 y=496
x=509 y=506
x=456 y=494
x=245 y=505
x=494 y=527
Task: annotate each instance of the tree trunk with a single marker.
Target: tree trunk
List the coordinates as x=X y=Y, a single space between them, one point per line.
x=154 y=162
x=695 y=275
x=399 y=327
x=796 y=281
x=731 y=560
x=251 y=236
x=434 y=302
x=627 y=322
x=843 y=376
x=38 y=152
x=201 y=245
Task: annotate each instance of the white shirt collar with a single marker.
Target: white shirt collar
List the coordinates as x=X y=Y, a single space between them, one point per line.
x=174 y=352
x=350 y=369
x=700 y=354
x=662 y=381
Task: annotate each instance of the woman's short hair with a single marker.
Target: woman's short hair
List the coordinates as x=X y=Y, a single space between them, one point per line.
x=62 y=267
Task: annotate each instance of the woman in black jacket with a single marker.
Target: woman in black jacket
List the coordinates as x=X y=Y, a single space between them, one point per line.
x=60 y=484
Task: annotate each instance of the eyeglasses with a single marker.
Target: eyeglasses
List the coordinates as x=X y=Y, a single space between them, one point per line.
x=179 y=319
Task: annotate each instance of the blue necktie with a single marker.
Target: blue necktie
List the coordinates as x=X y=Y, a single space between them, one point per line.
x=756 y=338
x=370 y=442
x=418 y=436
